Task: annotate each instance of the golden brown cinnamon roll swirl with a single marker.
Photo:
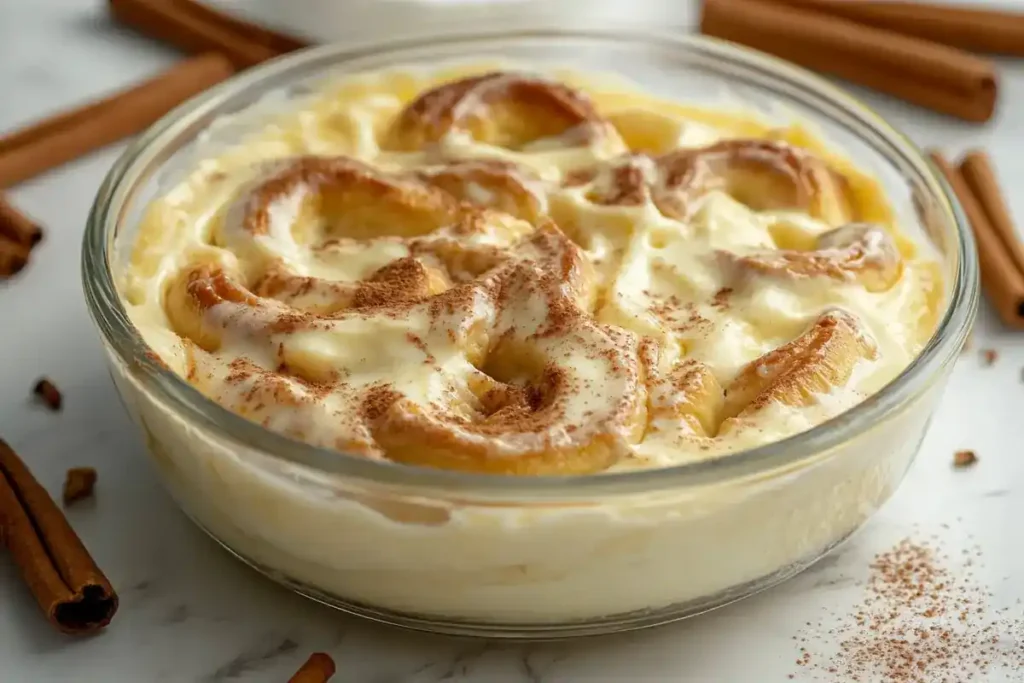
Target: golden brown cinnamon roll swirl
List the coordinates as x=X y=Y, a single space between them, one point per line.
x=399 y=239
x=493 y=184
x=555 y=392
x=521 y=378
x=764 y=175
x=857 y=251
x=503 y=109
x=515 y=278
x=814 y=364
x=689 y=400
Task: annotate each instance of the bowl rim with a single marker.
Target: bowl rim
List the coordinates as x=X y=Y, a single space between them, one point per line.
x=133 y=166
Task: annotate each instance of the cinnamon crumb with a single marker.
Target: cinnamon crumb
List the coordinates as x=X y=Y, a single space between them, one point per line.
x=989 y=357
x=721 y=298
x=49 y=393
x=921 y=621
x=418 y=342
x=963 y=459
x=157 y=360
x=78 y=484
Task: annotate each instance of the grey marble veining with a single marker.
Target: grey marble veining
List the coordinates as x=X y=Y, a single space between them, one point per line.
x=192 y=614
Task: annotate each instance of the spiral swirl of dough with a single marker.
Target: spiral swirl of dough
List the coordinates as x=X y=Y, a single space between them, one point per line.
x=762 y=174
x=498 y=279
x=510 y=110
x=498 y=308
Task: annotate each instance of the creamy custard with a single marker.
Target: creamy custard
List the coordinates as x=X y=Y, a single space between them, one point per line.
x=713 y=287
x=733 y=337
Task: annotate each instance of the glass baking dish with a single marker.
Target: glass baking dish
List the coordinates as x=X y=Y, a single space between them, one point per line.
x=531 y=556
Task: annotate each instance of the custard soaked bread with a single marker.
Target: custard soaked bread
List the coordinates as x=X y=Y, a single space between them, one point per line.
x=523 y=274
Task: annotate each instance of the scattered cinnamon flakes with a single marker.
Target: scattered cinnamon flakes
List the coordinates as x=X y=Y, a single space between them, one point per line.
x=78 y=484
x=989 y=357
x=964 y=458
x=924 y=619
x=48 y=392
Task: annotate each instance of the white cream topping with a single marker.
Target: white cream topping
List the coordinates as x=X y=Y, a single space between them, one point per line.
x=657 y=277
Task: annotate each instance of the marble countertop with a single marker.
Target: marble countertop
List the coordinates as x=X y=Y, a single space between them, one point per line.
x=191 y=613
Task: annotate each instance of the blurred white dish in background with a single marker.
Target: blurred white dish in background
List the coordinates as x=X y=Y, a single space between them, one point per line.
x=373 y=20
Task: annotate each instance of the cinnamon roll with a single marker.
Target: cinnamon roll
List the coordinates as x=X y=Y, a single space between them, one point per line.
x=503 y=109
x=514 y=276
x=856 y=251
x=761 y=174
x=491 y=183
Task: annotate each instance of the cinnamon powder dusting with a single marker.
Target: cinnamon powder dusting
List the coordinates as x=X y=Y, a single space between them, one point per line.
x=924 y=619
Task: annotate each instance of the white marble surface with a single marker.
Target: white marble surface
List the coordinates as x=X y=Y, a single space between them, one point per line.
x=191 y=613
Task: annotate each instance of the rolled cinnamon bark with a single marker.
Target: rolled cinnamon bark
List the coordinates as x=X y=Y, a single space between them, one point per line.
x=280 y=43
x=1002 y=281
x=50 y=143
x=73 y=593
x=980 y=177
x=172 y=23
x=16 y=226
x=13 y=257
x=928 y=74
x=978 y=30
x=319 y=668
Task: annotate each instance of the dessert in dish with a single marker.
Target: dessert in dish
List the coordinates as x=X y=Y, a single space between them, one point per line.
x=504 y=272
x=527 y=275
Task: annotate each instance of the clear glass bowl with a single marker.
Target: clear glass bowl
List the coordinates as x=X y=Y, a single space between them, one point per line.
x=532 y=556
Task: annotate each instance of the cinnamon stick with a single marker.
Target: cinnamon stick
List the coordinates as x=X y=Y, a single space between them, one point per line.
x=981 y=179
x=16 y=226
x=928 y=74
x=968 y=28
x=40 y=147
x=175 y=23
x=73 y=593
x=1002 y=281
x=280 y=43
x=319 y=668
x=13 y=257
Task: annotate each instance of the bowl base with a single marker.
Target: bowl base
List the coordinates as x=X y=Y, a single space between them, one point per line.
x=630 y=621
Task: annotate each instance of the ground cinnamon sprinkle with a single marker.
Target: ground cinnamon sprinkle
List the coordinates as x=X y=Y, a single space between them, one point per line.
x=925 y=619
x=721 y=299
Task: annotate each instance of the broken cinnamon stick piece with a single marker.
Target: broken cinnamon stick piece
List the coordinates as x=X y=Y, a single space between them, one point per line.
x=980 y=177
x=171 y=23
x=78 y=484
x=278 y=42
x=1002 y=281
x=49 y=393
x=16 y=226
x=928 y=74
x=42 y=146
x=965 y=458
x=13 y=257
x=319 y=668
x=71 y=590
x=977 y=30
